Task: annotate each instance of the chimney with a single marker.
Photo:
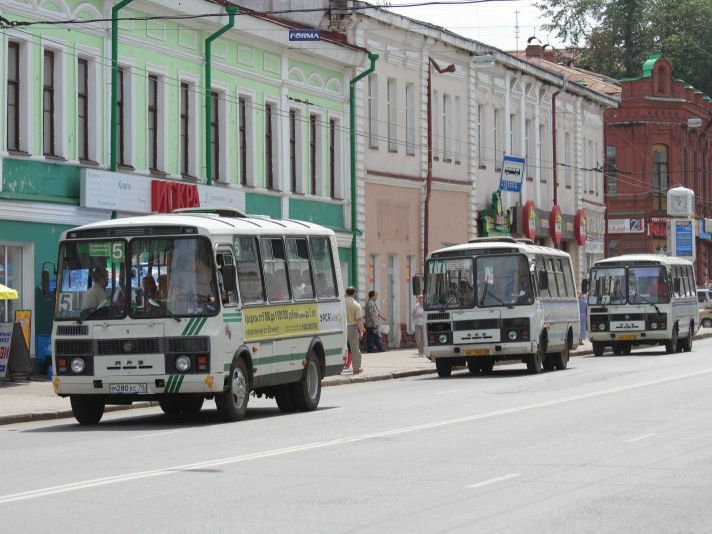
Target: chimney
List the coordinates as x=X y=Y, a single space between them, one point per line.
x=549 y=54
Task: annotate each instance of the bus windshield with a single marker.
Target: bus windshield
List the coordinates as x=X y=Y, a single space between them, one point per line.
x=483 y=281
x=633 y=285
x=154 y=277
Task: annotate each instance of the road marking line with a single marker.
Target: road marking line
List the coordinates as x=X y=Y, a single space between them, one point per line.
x=646 y=436
x=76 y=486
x=155 y=434
x=495 y=480
x=448 y=392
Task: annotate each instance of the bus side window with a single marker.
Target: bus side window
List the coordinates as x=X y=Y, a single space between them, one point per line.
x=226 y=279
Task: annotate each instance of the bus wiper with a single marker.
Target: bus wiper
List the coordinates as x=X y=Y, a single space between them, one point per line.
x=449 y=301
x=169 y=313
x=642 y=299
x=92 y=311
x=500 y=300
x=486 y=292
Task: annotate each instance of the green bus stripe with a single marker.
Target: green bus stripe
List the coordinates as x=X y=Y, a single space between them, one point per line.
x=174 y=383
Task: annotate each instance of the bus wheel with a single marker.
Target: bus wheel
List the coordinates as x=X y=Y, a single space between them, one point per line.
x=444 y=367
x=169 y=405
x=617 y=350
x=87 y=409
x=232 y=405
x=597 y=348
x=561 y=360
x=548 y=363
x=686 y=344
x=307 y=391
x=536 y=360
x=626 y=348
x=487 y=366
x=190 y=404
x=671 y=344
x=474 y=366
x=285 y=399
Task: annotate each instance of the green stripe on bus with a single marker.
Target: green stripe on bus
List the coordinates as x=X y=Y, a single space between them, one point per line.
x=174 y=383
x=194 y=326
x=232 y=317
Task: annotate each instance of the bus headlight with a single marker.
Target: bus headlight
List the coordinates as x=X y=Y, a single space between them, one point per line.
x=182 y=364
x=78 y=365
x=442 y=338
x=602 y=327
x=512 y=335
x=653 y=326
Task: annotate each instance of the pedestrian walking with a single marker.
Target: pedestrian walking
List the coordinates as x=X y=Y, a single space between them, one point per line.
x=373 y=323
x=583 y=307
x=419 y=322
x=355 y=328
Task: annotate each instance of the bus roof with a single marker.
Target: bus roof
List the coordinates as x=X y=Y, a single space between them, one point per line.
x=649 y=259
x=206 y=222
x=498 y=245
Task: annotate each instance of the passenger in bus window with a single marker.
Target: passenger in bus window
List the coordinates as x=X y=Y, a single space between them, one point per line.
x=616 y=294
x=97 y=292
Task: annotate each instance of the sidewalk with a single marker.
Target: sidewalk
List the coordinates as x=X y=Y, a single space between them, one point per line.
x=34 y=400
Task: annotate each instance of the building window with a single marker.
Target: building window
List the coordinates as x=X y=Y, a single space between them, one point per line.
x=184 y=128
x=528 y=146
x=293 y=133
x=242 y=139
x=13 y=96
x=215 y=134
x=498 y=136
x=48 y=105
x=82 y=109
x=392 y=113
x=373 y=111
x=456 y=137
x=446 y=129
x=481 y=136
x=660 y=177
x=313 y=159
x=269 y=148
x=152 y=120
x=121 y=117
x=541 y=150
x=333 y=157
x=611 y=178
x=410 y=119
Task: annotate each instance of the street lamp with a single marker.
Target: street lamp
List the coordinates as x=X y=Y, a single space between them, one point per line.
x=429 y=176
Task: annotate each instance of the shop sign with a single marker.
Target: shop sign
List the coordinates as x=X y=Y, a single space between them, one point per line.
x=556 y=224
x=496 y=220
x=529 y=221
x=580 y=227
x=626 y=226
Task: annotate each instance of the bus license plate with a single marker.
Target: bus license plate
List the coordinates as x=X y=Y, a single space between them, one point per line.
x=128 y=389
x=477 y=352
x=627 y=338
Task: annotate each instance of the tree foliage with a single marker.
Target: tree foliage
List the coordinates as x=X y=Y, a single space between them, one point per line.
x=615 y=37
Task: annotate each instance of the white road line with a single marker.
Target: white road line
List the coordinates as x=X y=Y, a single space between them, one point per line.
x=646 y=436
x=494 y=480
x=448 y=392
x=155 y=434
x=54 y=490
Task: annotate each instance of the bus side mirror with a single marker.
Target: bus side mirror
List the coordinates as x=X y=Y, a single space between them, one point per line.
x=228 y=275
x=45 y=278
x=584 y=286
x=416 y=285
x=543 y=280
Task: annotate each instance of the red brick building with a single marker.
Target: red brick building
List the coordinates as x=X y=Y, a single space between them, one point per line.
x=658 y=138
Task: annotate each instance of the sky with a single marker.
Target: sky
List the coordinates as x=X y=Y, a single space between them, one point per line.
x=492 y=22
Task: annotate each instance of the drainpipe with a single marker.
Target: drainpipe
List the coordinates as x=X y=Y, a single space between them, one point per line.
x=352 y=133
x=114 y=135
x=231 y=11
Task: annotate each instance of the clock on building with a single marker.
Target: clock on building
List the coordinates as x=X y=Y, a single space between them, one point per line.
x=681 y=202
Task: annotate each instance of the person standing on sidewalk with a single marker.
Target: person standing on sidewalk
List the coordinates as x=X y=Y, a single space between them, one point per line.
x=583 y=307
x=373 y=323
x=355 y=328
x=419 y=322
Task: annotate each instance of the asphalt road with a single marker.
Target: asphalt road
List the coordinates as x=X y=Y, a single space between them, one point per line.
x=612 y=444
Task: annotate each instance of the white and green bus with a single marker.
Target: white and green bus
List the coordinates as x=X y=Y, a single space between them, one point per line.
x=196 y=305
x=500 y=299
x=642 y=299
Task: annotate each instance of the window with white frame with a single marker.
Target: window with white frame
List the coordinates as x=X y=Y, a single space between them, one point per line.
x=124 y=108
x=541 y=150
x=51 y=102
x=447 y=128
x=296 y=184
x=186 y=163
x=87 y=94
x=245 y=139
x=336 y=183
x=410 y=119
x=513 y=135
x=270 y=146
x=392 y=114
x=215 y=141
x=529 y=142
x=316 y=154
x=14 y=97
x=372 y=111
x=155 y=119
x=498 y=137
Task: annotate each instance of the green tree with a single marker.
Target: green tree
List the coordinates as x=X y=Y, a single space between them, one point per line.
x=615 y=37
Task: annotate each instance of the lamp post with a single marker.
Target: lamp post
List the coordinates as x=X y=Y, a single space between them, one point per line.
x=429 y=176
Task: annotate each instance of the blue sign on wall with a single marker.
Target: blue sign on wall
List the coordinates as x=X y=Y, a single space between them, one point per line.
x=512 y=174
x=305 y=35
x=683 y=238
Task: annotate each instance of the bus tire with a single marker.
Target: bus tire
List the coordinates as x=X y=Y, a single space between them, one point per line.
x=561 y=360
x=307 y=391
x=671 y=344
x=597 y=348
x=548 y=363
x=87 y=409
x=285 y=399
x=232 y=405
x=686 y=344
x=617 y=349
x=536 y=360
x=444 y=367
x=474 y=366
x=169 y=405
x=190 y=404
x=487 y=366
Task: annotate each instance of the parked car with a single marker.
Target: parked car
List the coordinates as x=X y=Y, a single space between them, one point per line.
x=706 y=316
x=704 y=297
